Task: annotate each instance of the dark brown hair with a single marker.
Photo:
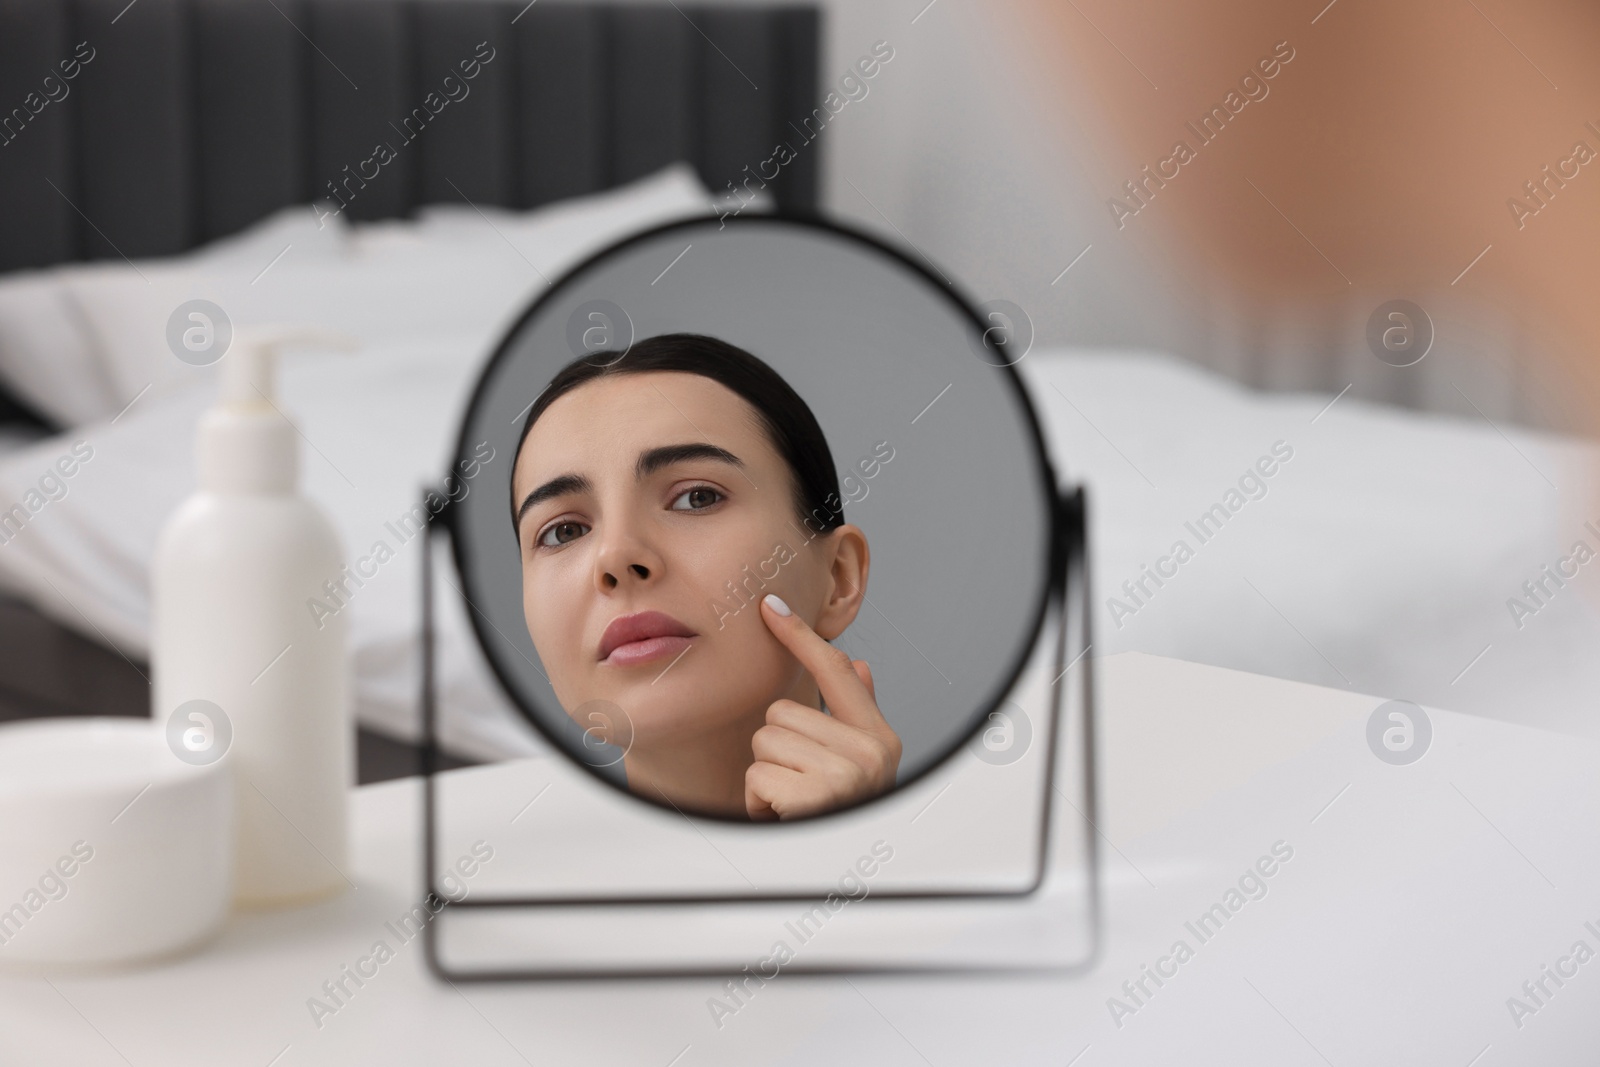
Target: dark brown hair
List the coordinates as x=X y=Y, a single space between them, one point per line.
x=787 y=420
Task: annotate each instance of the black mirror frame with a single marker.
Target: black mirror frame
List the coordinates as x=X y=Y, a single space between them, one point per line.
x=1048 y=487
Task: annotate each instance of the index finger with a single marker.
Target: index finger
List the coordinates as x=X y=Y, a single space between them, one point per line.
x=846 y=695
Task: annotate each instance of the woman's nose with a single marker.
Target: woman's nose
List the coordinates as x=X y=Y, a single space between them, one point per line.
x=624 y=557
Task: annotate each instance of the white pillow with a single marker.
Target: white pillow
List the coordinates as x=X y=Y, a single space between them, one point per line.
x=670 y=192
x=102 y=343
x=299 y=230
x=49 y=355
x=373 y=299
x=46 y=357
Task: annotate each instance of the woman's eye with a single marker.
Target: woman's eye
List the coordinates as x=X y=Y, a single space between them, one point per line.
x=696 y=499
x=562 y=533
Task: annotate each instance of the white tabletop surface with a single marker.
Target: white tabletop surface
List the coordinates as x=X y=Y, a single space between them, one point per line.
x=1418 y=899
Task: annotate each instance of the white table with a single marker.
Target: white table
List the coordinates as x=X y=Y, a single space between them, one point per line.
x=1417 y=900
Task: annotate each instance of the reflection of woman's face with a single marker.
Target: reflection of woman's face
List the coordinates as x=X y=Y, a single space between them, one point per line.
x=660 y=513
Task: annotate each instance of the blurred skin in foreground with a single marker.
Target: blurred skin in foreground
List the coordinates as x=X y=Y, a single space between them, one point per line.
x=1443 y=146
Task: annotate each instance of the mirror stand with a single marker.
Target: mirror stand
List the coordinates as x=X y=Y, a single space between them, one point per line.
x=1051 y=924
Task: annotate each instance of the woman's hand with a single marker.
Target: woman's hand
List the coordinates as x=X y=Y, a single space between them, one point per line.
x=807 y=761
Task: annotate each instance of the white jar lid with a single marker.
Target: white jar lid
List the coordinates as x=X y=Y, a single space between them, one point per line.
x=112 y=848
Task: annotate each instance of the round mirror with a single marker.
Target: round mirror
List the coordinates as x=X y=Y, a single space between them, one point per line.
x=717 y=412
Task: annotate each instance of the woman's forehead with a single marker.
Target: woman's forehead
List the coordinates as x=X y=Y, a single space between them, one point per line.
x=609 y=420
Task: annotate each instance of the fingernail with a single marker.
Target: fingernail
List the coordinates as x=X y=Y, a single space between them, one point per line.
x=776 y=604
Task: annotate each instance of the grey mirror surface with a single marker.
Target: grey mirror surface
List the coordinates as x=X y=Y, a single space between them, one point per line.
x=959 y=521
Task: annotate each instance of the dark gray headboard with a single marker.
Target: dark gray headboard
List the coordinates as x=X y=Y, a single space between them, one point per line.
x=196 y=117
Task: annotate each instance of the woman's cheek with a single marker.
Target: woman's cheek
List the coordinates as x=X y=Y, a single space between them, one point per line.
x=758 y=668
x=546 y=601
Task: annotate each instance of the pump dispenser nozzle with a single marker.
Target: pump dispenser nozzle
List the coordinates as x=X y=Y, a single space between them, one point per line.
x=246 y=445
x=248 y=369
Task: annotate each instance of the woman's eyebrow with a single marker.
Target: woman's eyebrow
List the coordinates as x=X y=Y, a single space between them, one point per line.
x=654 y=459
x=561 y=486
x=649 y=462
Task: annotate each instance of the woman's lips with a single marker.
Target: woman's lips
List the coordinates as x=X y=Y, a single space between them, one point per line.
x=642 y=637
x=651 y=648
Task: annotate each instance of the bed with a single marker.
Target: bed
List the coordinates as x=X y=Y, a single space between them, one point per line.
x=133 y=133
x=1384 y=552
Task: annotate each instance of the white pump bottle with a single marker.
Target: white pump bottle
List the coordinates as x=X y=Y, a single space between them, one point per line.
x=235 y=569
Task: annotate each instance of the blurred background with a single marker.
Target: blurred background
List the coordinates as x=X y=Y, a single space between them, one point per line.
x=1377 y=166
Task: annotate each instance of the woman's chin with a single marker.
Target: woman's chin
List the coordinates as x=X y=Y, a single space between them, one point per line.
x=671 y=709
x=663 y=719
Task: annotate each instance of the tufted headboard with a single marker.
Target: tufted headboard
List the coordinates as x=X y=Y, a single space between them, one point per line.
x=191 y=119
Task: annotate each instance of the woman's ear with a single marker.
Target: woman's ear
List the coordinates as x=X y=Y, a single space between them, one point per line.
x=848 y=560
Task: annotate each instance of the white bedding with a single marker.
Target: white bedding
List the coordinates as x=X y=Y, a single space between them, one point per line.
x=427 y=298
x=1380 y=558
x=81 y=342
x=1388 y=543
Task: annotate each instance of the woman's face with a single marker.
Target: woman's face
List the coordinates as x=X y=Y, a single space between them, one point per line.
x=654 y=514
